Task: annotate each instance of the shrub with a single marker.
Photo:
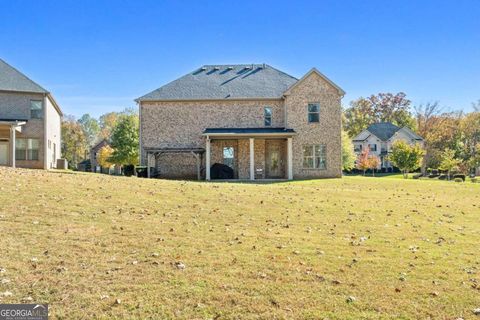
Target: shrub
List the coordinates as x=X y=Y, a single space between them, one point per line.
x=416 y=176
x=442 y=177
x=458 y=180
x=460 y=176
x=474 y=180
x=129 y=170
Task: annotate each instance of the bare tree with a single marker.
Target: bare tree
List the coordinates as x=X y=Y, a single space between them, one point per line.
x=476 y=105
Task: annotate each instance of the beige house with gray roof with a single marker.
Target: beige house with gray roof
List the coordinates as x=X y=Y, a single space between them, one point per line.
x=251 y=121
x=379 y=139
x=30 y=121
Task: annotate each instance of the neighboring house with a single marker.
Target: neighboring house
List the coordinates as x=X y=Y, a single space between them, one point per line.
x=95 y=167
x=260 y=121
x=30 y=122
x=379 y=138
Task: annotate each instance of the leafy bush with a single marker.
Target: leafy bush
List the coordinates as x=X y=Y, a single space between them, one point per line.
x=416 y=176
x=474 y=180
x=458 y=180
x=460 y=176
x=443 y=177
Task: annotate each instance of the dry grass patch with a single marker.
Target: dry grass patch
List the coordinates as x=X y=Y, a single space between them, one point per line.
x=95 y=246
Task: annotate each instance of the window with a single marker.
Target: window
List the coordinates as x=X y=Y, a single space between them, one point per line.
x=20 y=147
x=27 y=149
x=314 y=157
x=228 y=157
x=268 y=116
x=357 y=148
x=372 y=147
x=36 y=109
x=313 y=112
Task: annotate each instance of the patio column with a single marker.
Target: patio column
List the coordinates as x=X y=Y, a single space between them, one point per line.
x=290 y=158
x=12 y=145
x=252 y=159
x=148 y=165
x=207 y=159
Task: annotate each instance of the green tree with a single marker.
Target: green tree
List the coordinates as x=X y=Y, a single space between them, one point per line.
x=406 y=157
x=73 y=141
x=348 y=155
x=475 y=159
x=90 y=127
x=124 y=140
x=383 y=107
x=449 y=161
x=470 y=137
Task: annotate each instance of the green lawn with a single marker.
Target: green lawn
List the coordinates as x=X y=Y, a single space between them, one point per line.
x=95 y=246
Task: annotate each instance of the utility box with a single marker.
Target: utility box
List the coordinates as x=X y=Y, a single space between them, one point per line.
x=62 y=164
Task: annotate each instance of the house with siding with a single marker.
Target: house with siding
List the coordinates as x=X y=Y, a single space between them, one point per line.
x=257 y=120
x=30 y=122
x=379 y=139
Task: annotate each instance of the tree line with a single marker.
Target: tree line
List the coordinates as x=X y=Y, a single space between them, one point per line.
x=119 y=129
x=451 y=138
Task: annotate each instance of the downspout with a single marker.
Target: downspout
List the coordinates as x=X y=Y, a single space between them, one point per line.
x=140 y=153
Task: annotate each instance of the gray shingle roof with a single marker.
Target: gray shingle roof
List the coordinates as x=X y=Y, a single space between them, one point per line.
x=383 y=130
x=225 y=82
x=13 y=80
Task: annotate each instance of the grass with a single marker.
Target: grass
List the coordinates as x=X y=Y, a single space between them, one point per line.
x=95 y=246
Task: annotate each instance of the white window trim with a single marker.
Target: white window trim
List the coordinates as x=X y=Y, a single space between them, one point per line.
x=314 y=157
x=308 y=112
x=265 y=116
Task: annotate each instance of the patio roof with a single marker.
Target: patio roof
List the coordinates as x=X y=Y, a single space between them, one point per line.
x=248 y=132
x=16 y=122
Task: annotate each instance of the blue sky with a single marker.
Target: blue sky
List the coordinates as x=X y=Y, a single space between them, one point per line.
x=97 y=56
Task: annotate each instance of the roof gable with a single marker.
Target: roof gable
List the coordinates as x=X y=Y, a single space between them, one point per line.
x=412 y=134
x=312 y=71
x=212 y=82
x=13 y=80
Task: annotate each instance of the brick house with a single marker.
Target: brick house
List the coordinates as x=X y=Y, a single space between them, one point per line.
x=260 y=121
x=379 y=138
x=95 y=167
x=30 y=122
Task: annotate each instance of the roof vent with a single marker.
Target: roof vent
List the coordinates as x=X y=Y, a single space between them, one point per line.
x=203 y=68
x=216 y=68
x=248 y=67
x=229 y=68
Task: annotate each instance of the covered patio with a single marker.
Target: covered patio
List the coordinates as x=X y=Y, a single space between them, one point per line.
x=8 y=134
x=253 y=153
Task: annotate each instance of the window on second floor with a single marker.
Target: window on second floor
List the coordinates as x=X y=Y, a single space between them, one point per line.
x=313 y=112
x=372 y=147
x=36 y=109
x=267 y=116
